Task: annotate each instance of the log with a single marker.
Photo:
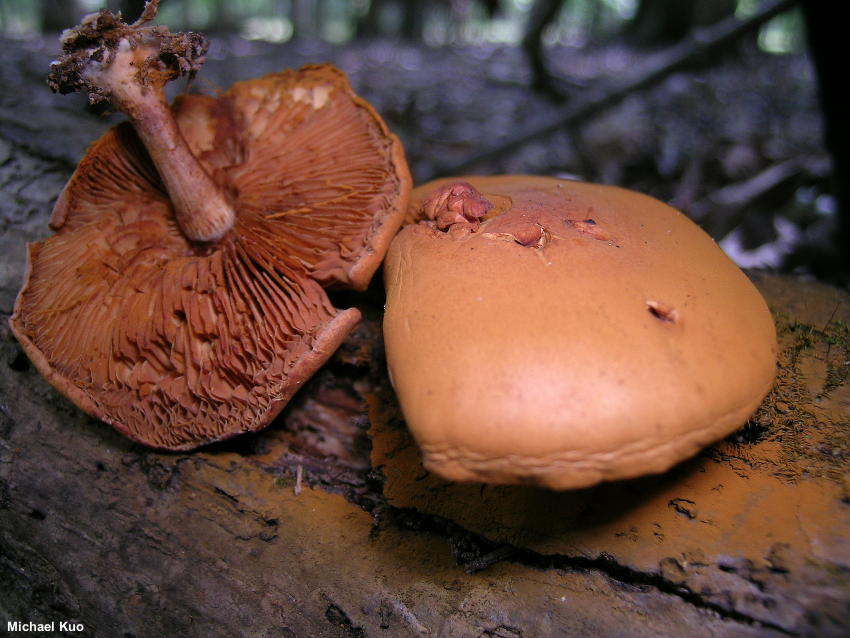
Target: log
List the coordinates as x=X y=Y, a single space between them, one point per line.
x=748 y=539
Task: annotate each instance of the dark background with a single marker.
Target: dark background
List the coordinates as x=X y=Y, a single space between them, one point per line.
x=706 y=104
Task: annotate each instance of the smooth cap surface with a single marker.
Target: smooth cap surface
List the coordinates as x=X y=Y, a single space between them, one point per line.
x=576 y=333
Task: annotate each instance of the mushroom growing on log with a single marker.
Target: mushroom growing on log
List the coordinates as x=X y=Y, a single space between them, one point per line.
x=181 y=298
x=559 y=333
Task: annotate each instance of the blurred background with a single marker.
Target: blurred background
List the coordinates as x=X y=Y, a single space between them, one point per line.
x=727 y=109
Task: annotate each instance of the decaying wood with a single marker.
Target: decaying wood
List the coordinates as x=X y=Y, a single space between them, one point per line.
x=737 y=530
x=748 y=539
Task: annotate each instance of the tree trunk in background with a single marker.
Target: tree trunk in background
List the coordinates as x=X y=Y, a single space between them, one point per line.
x=543 y=13
x=407 y=18
x=413 y=20
x=369 y=23
x=825 y=34
x=130 y=9
x=663 y=22
x=58 y=15
x=305 y=18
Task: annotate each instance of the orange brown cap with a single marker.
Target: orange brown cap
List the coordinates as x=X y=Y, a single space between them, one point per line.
x=570 y=334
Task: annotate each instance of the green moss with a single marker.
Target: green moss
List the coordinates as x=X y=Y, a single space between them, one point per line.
x=833 y=338
x=811 y=443
x=837 y=365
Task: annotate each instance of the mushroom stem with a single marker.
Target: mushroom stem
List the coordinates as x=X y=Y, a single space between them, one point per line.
x=129 y=65
x=200 y=206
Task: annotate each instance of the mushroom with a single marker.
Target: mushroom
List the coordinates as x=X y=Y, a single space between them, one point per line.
x=551 y=332
x=181 y=298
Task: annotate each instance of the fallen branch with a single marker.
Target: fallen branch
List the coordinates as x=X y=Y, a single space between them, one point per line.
x=703 y=42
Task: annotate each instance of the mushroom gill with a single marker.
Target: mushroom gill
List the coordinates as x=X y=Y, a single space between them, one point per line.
x=179 y=343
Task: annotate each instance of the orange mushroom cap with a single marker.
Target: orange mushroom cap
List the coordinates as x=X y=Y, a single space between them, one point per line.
x=558 y=333
x=178 y=344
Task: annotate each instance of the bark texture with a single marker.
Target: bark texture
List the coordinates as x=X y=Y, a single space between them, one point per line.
x=748 y=539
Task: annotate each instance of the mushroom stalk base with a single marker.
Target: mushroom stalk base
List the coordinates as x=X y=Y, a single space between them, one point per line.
x=203 y=213
x=201 y=208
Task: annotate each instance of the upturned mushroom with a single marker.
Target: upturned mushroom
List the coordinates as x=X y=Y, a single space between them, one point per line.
x=558 y=333
x=181 y=298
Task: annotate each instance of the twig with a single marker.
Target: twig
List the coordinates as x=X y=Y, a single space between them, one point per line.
x=299 y=476
x=826 y=326
x=702 y=42
x=728 y=206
